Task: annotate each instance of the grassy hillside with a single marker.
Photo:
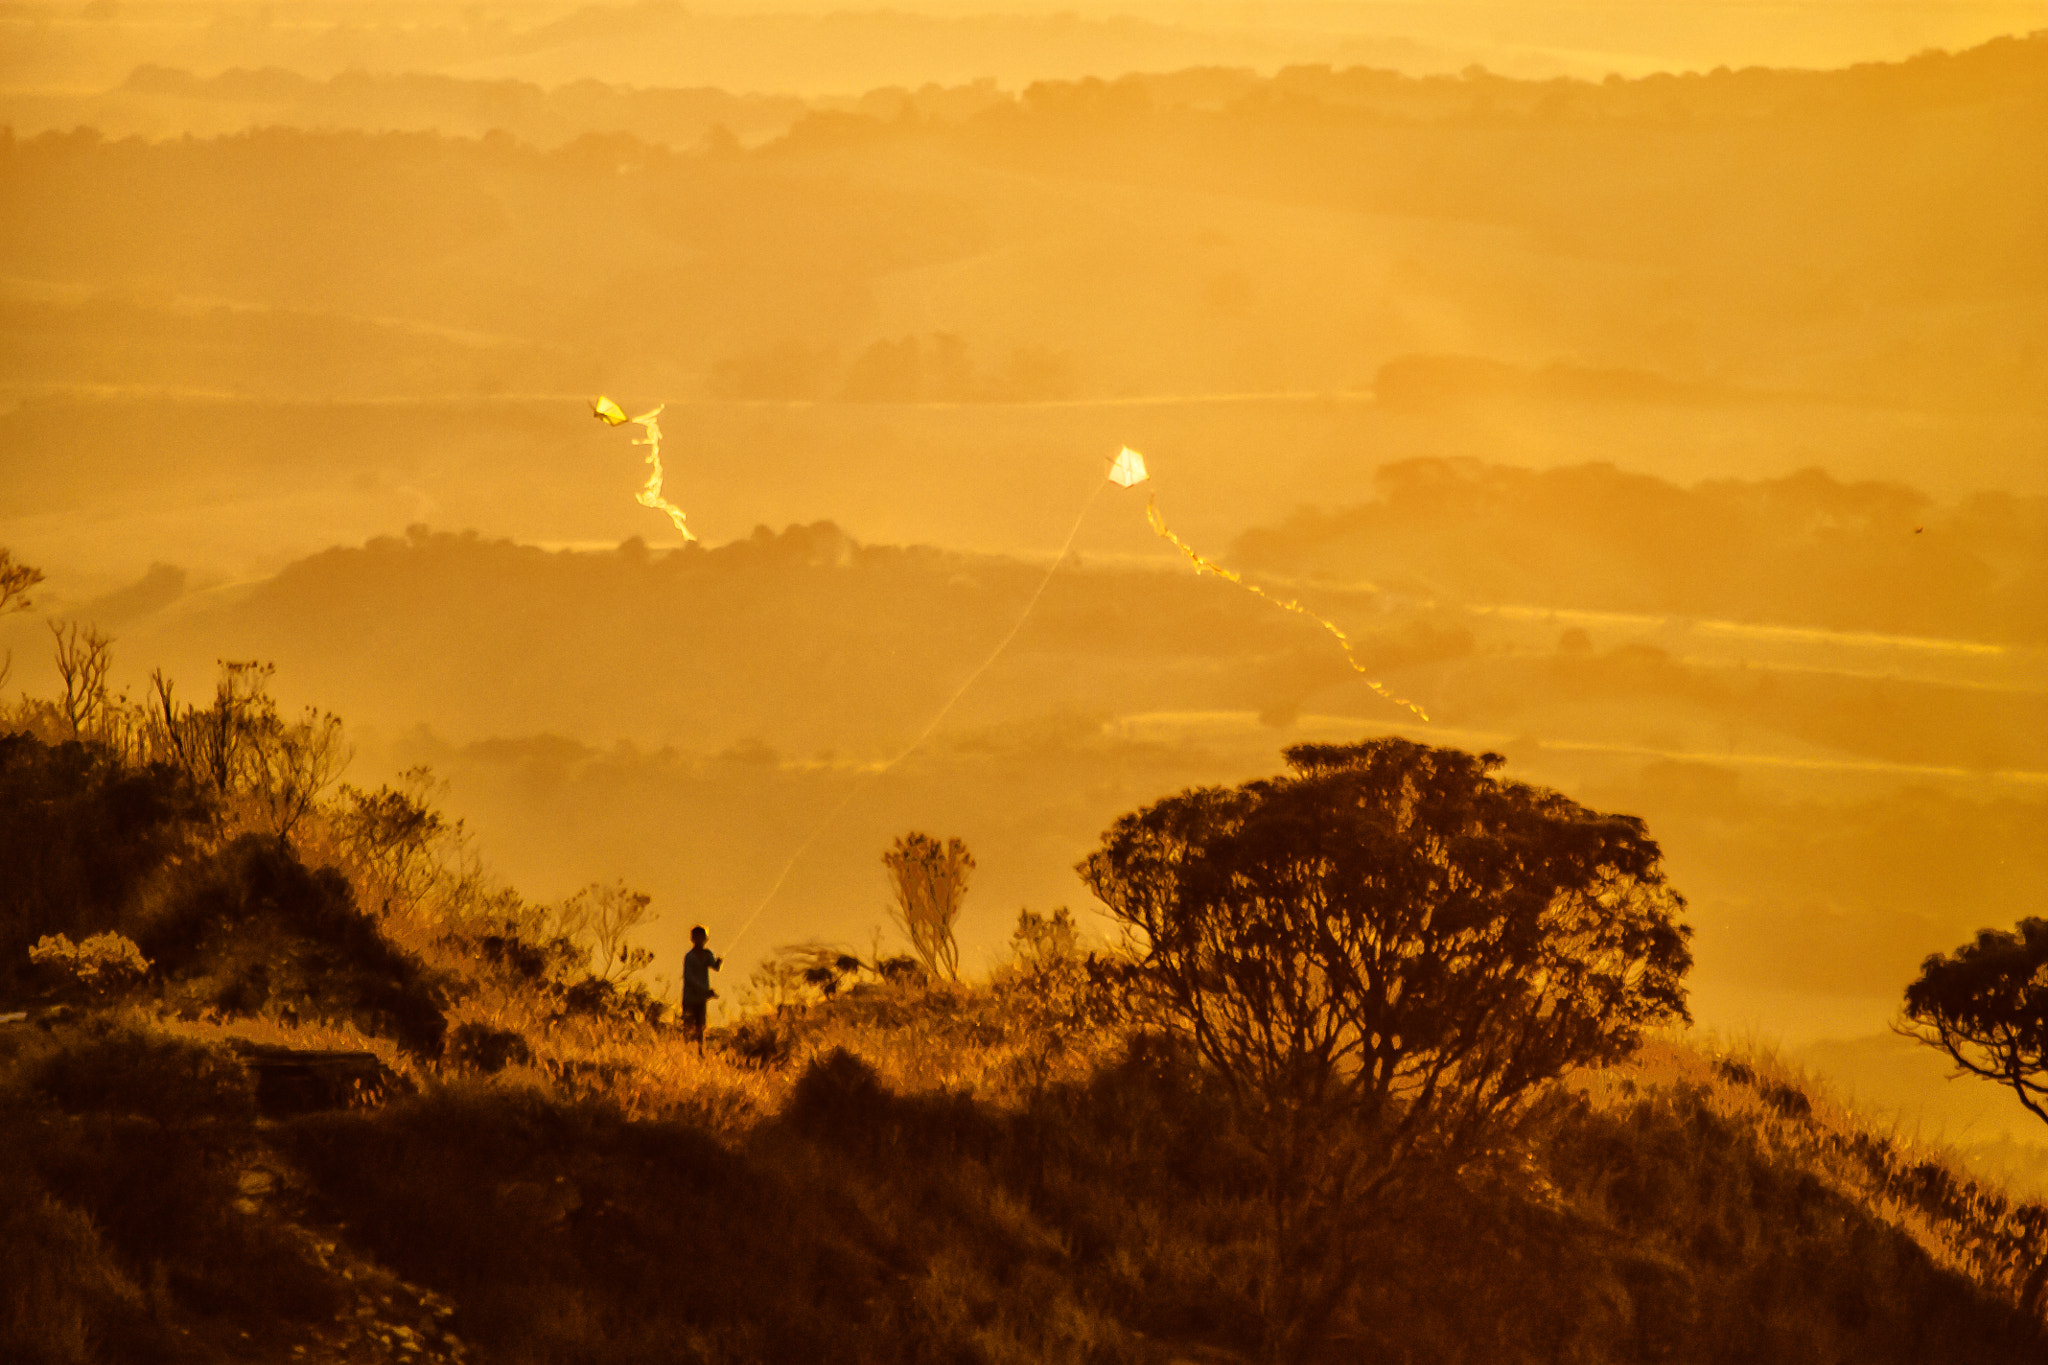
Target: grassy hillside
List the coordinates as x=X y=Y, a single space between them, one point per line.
x=861 y=1163
x=911 y=1183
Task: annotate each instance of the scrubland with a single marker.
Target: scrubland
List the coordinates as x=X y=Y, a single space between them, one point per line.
x=908 y=1175
x=865 y=1163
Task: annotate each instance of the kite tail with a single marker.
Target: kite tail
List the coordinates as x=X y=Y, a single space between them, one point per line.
x=650 y=496
x=1203 y=565
x=926 y=733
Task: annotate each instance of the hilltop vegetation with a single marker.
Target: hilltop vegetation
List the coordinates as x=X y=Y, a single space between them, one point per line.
x=1035 y=1165
x=899 y=1190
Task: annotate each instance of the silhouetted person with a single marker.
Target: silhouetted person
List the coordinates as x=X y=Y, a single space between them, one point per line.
x=698 y=965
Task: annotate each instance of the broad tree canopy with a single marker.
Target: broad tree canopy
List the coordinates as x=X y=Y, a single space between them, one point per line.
x=1987 y=1007
x=1395 y=930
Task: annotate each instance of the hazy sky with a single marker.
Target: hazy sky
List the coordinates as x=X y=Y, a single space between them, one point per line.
x=76 y=47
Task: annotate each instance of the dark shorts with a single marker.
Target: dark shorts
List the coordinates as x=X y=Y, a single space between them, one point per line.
x=693 y=1015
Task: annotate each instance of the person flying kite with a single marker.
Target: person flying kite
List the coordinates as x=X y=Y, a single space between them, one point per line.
x=698 y=965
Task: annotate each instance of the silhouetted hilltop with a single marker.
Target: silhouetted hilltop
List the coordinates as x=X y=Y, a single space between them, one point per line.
x=804 y=637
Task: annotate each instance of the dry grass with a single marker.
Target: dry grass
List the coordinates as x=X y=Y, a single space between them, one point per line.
x=982 y=1206
x=1797 y=1119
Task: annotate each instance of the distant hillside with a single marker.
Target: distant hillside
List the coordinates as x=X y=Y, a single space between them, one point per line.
x=813 y=47
x=810 y=640
x=1868 y=234
x=1805 y=550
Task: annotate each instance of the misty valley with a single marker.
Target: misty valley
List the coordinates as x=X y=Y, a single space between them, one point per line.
x=1509 y=825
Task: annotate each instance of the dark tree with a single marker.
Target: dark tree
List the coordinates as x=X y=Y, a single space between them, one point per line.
x=1987 y=1007
x=1385 y=955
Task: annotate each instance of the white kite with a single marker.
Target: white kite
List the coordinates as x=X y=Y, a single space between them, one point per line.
x=1128 y=468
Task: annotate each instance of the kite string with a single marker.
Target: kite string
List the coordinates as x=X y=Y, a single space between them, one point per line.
x=926 y=733
x=650 y=496
x=1201 y=564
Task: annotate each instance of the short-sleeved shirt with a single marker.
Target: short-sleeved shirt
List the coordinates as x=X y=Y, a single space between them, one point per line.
x=698 y=965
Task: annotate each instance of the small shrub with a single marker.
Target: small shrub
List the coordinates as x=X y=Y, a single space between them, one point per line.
x=838 y=1094
x=903 y=970
x=765 y=1041
x=479 y=1047
x=929 y=880
x=1788 y=1100
x=1739 y=1073
x=102 y=965
x=1041 y=942
x=519 y=958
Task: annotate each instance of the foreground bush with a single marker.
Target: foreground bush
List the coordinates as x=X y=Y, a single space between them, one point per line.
x=1384 y=955
x=1115 y=1217
x=1675 y=1213
x=252 y=926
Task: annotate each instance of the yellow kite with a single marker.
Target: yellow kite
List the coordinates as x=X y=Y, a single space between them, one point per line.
x=612 y=415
